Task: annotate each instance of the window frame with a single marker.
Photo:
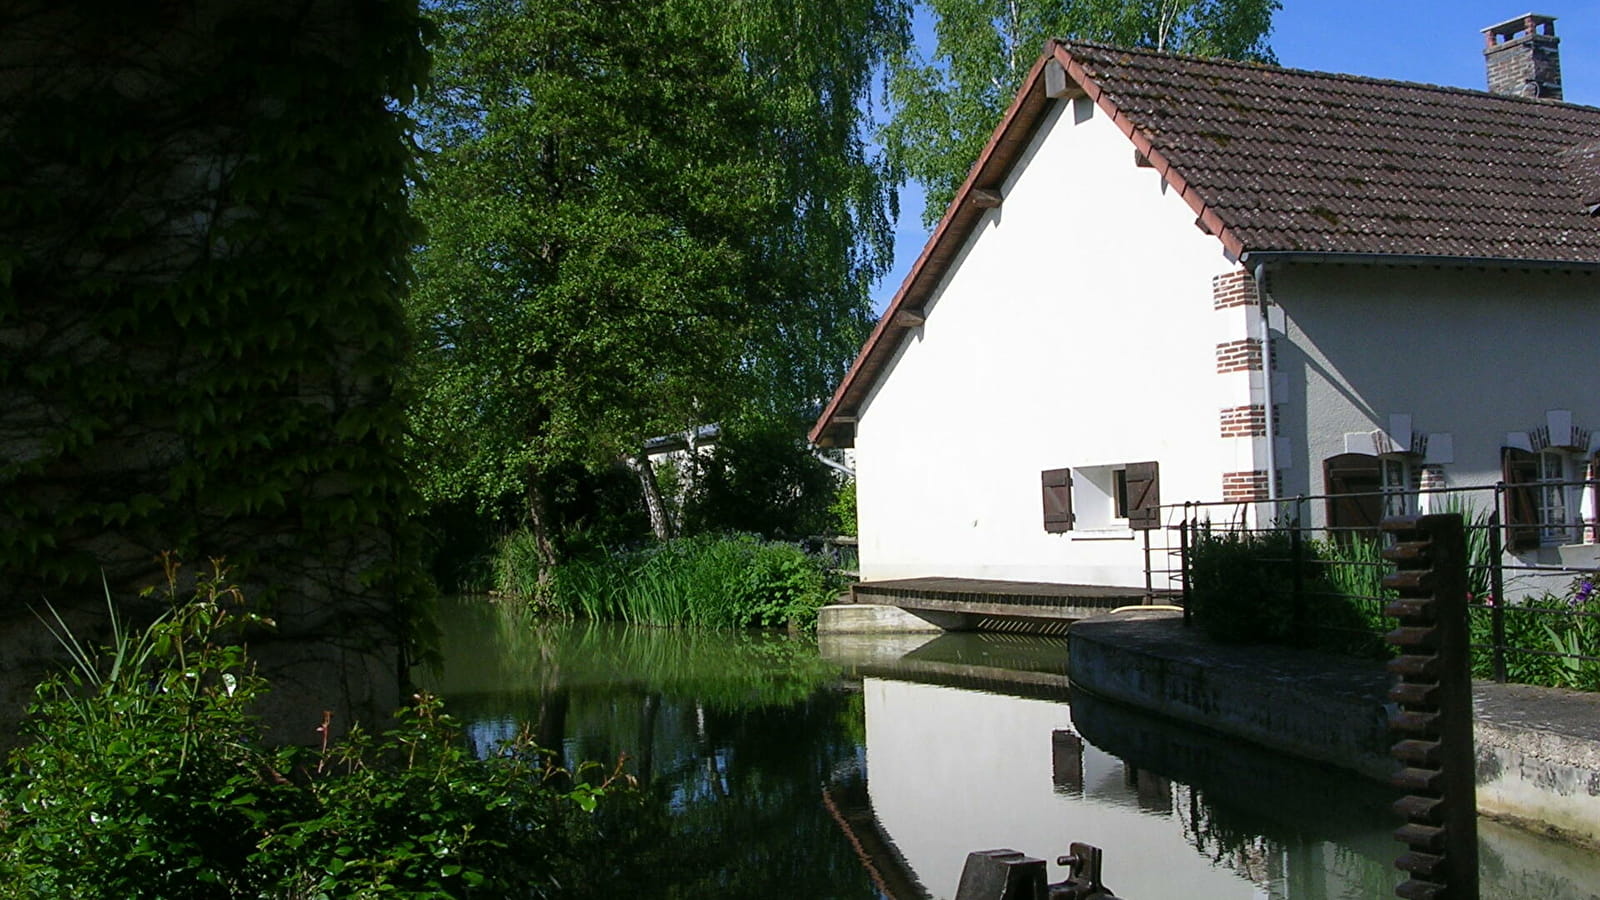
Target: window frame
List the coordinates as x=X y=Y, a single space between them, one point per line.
x=1553 y=498
x=1122 y=497
x=1540 y=487
x=1397 y=481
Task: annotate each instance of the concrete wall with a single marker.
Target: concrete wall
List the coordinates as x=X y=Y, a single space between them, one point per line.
x=1075 y=329
x=1309 y=705
x=1468 y=355
x=1537 y=749
x=1538 y=759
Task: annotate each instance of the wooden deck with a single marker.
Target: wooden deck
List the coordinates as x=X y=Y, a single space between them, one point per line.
x=987 y=605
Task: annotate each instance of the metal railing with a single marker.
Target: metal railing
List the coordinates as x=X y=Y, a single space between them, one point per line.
x=1533 y=588
x=838 y=552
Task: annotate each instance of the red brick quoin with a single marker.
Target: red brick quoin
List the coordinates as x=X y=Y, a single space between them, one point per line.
x=1233 y=289
x=1244 y=487
x=1243 y=355
x=1245 y=421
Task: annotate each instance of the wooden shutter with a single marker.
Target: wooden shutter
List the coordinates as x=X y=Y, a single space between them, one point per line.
x=1057 y=487
x=1144 y=495
x=1519 y=469
x=1354 y=485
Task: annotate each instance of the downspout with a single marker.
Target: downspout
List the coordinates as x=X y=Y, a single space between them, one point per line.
x=836 y=466
x=1270 y=417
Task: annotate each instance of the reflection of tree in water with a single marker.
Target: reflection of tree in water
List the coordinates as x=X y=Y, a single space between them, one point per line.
x=1289 y=865
x=1228 y=844
x=732 y=736
x=1237 y=846
x=732 y=806
x=506 y=646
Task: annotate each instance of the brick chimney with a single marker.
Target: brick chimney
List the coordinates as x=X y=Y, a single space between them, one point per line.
x=1522 y=57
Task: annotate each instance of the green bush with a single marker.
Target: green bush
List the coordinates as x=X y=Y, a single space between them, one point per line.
x=515 y=565
x=1243 y=590
x=842 y=511
x=1537 y=628
x=734 y=581
x=1242 y=585
x=146 y=776
x=760 y=478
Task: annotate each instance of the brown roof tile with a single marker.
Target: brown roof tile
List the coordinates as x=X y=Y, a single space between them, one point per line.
x=1310 y=161
x=1583 y=167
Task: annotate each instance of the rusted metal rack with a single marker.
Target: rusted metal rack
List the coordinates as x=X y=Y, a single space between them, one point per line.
x=1432 y=715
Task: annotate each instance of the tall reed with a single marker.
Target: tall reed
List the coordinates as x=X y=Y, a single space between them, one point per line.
x=732 y=581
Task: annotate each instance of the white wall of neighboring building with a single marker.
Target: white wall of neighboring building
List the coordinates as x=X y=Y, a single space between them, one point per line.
x=1465 y=356
x=1470 y=359
x=1075 y=329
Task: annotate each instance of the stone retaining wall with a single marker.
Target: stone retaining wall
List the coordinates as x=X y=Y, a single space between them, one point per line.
x=1538 y=750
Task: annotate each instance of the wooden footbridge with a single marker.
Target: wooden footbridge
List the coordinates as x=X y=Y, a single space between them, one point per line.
x=975 y=604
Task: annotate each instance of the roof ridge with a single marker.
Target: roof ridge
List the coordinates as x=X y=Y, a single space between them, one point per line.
x=1478 y=94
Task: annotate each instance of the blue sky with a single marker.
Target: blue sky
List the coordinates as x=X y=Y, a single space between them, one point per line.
x=1431 y=41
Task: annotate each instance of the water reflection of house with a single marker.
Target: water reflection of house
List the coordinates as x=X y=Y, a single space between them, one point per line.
x=1160 y=261
x=952 y=771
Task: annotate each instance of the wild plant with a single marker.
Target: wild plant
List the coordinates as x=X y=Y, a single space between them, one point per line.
x=730 y=581
x=145 y=775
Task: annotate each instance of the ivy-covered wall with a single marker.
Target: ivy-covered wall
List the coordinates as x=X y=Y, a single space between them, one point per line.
x=203 y=239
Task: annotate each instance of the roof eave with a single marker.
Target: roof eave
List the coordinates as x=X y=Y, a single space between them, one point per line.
x=957 y=223
x=1251 y=258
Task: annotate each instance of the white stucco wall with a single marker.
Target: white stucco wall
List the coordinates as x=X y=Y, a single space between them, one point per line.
x=1076 y=329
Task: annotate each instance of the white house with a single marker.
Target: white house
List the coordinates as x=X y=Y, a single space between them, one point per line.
x=1159 y=261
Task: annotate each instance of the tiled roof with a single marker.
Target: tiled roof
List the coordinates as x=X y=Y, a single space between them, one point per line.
x=1309 y=161
x=1583 y=166
x=1283 y=161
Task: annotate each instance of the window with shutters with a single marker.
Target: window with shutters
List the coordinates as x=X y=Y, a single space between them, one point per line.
x=1543 y=491
x=1363 y=488
x=1057 y=484
x=1102 y=498
x=1353 y=483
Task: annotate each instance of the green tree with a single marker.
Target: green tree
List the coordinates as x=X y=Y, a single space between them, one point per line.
x=945 y=106
x=760 y=479
x=641 y=217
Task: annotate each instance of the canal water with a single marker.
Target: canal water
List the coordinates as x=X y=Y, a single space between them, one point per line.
x=778 y=767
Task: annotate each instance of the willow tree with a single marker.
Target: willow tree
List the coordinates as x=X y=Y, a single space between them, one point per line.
x=641 y=217
x=945 y=104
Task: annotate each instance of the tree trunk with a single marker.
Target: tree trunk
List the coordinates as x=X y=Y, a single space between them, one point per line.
x=659 y=523
x=540 y=524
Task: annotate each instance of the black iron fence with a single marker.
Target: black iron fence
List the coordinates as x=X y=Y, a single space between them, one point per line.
x=1308 y=570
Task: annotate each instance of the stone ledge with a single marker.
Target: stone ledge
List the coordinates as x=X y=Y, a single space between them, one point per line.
x=1537 y=749
x=871 y=618
x=1311 y=705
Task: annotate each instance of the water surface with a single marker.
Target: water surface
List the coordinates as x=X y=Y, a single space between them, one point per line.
x=870 y=768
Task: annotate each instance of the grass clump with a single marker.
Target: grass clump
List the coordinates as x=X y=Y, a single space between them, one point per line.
x=1546 y=637
x=1242 y=584
x=735 y=581
x=146 y=776
x=1256 y=588
x=1245 y=586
